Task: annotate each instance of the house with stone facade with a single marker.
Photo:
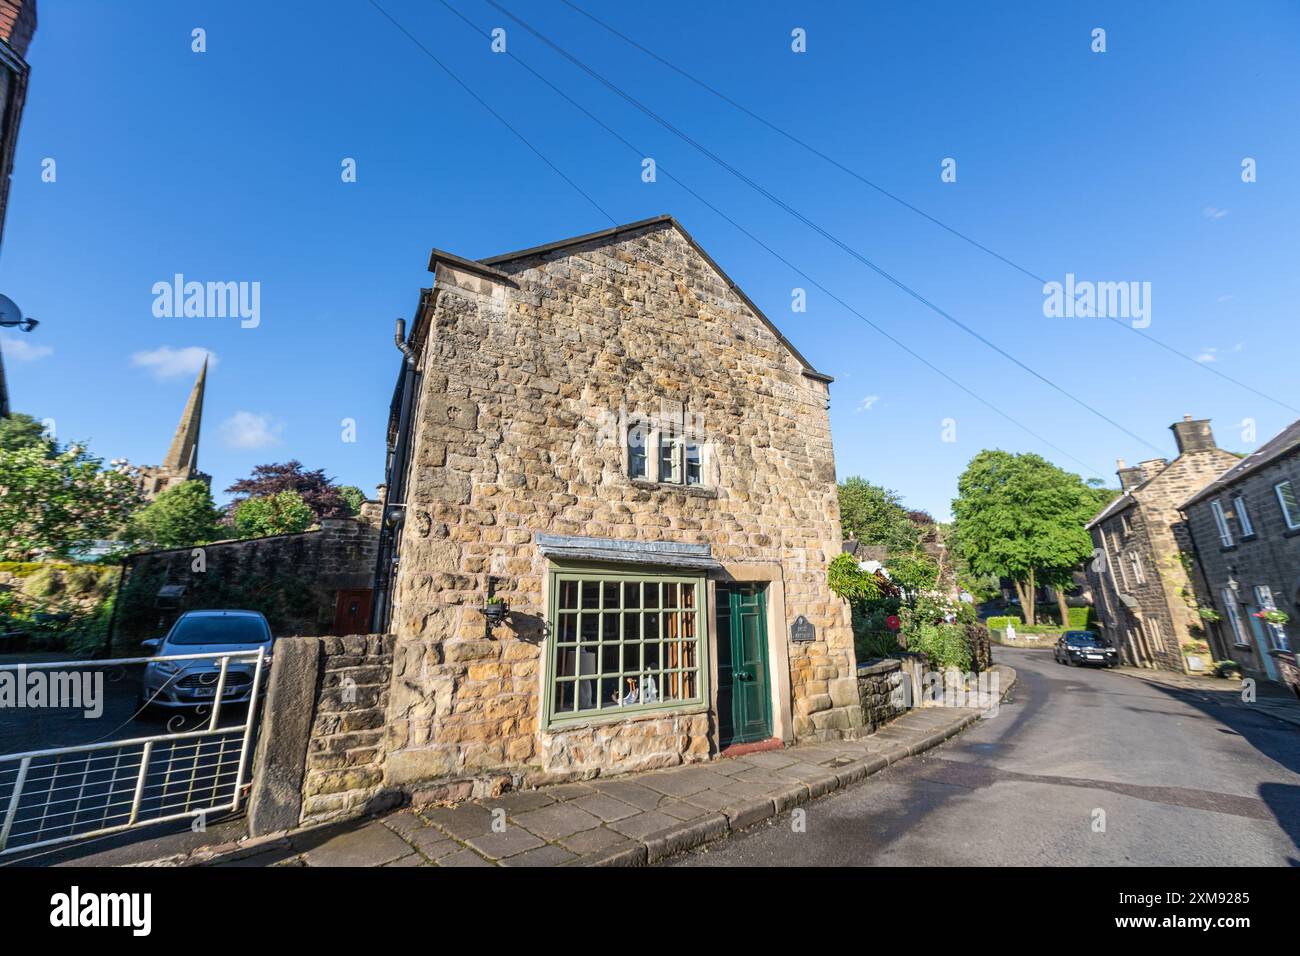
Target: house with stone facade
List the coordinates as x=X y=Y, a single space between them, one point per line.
x=1140 y=580
x=1245 y=529
x=611 y=504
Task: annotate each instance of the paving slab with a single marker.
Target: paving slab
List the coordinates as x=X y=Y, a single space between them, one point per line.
x=550 y=855
x=462 y=822
x=643 y=824
x=557 y=821
x=371 y=845
x=507 y=843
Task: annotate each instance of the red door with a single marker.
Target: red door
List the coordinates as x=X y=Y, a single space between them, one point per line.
x=352 y=612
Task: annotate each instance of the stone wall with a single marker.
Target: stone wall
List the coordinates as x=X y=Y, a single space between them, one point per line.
x=525 y=380
x=346 y=751
x=1270 y=557
x=321 y=745
x=1152 y=632
x=881 y=690
x=292 y=579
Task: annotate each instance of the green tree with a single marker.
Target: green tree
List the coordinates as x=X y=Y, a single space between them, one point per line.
x=354 y=497
x=182 y=516
x=1021 y=517
x=19 y=431
x=875 y=515
x=281 y=513
x=53 y=503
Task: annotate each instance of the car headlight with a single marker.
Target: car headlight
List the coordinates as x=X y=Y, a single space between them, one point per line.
x=165 y=668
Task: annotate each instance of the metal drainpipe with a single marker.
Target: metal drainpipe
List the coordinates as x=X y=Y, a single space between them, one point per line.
x=395 y=493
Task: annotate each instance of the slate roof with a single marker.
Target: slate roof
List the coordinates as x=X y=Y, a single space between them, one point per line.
x=1280 y=445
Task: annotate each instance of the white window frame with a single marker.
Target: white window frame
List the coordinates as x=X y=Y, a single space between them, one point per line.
x=1136 y=560
x=1244 y=524
x=1233 y=614
x=643 y=429
x=1292 y=524
x=1221 y=522
x=1277 y=633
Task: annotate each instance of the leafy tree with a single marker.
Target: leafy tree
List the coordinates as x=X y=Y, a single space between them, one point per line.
x=874 y=515
x=354 y=497
x=181 y=516
x=19 y=431
x=916 y=574
x=281 y=513
x=319 y=493
x=55 y=502
x=1021 y=517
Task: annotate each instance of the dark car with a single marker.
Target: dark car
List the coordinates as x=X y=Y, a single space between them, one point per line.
x=1084 y=647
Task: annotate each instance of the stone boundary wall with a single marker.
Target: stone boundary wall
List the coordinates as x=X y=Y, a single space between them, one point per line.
x=321 y=746
x=310 y=568
x=880 y=688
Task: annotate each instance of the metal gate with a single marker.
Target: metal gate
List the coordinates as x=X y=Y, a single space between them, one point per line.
x=54 y=796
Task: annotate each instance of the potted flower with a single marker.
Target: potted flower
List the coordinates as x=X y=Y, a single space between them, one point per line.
x=1273 y=616
x=1210 y=614
x=1228 y=669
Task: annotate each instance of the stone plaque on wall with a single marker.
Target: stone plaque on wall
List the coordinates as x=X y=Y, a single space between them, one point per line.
x=802 y=630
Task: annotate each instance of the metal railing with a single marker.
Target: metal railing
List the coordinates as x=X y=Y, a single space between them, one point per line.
x=60 y=794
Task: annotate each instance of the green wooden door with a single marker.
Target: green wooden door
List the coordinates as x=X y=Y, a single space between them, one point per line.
x=744 y=685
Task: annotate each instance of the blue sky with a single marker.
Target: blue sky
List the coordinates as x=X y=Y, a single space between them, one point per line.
x=225 y=166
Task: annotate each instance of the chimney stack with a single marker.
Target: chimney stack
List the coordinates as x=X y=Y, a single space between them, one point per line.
x=1193 y=435
x=1129 y=478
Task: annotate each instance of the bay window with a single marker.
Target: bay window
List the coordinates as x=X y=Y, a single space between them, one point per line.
x=624 y=643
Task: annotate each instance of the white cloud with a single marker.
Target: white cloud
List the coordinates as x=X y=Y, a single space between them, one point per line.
x=1213 y=212
x=1208 y=355
x=167 y=362
x=867 y=402
x=251 y=430
x=22 y=350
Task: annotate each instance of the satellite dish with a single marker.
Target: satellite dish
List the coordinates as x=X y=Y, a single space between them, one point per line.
x=11 y=315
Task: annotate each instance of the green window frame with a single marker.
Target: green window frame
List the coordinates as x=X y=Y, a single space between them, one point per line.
x=625 y=643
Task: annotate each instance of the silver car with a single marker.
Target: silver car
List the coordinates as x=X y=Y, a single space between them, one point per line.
x=185 y=684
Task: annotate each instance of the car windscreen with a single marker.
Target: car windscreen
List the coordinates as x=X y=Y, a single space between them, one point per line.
x=235 y=629
x=1084 y=640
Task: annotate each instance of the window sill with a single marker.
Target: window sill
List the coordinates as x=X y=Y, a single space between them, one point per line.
x=584 y=722
x=1248 y=537
x=1240 y=646
x=1291 y=532
x=698 y=491
x=1227 y=547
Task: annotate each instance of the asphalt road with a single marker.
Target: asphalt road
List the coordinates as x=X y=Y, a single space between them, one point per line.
x=1182 y=780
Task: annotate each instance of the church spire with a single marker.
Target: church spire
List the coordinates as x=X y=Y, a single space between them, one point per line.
x=183 y=456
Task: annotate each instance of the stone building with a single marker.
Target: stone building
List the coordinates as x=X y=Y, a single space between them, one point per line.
x=1143 y=595
x=609 y=436
x=1245 y=527
x=182 y=461
x=17 y=25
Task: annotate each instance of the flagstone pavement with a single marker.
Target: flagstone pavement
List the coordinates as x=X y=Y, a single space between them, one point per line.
x=627 y=820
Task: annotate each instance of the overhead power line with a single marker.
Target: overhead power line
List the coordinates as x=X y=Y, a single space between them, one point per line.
x=790 y=265
x=483 y=103
x=907 y=205
x=889 y=277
